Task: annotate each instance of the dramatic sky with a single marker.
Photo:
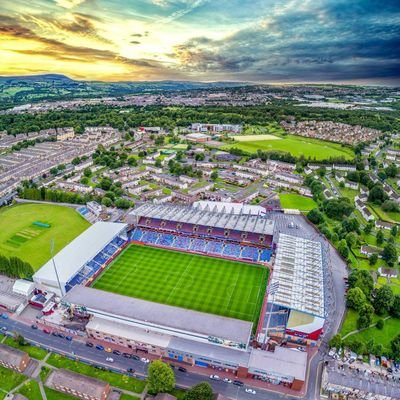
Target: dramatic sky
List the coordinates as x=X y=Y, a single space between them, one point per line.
x=248 y=40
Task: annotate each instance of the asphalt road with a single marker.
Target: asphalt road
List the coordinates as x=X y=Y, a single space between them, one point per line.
x=81 y=351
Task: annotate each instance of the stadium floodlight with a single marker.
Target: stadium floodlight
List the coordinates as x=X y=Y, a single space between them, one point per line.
x=55 y=268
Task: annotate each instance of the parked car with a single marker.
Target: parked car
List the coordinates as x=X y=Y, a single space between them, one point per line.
x=108 y=349
x=238 y=383
x=110 y=359
x=215 y=377
x=145 y=360
x=126 y=355
x=54 y=333
x=300 y=348
x=4 y=316
x=172 y=366
x=182 y=369
x=227 y=380
x=88 y=344
x=46 y=331
x=99 y=347
x=251 y=391
x=131 y=370
x=69 y=338
x=135 y=357
x=61 y=335
x=34 y=326
x=117 y=352
x=4 y=328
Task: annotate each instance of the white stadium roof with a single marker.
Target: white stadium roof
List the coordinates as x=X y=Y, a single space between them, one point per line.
x=77 y=253
x=229 y=208
x=224 y=217
x=298 y=275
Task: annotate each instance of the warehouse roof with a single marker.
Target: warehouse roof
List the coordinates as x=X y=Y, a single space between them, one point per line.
x=176 y=320
x=222 y=215
x=298 y=275
x=76 y=254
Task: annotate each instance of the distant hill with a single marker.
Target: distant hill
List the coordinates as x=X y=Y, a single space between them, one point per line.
x=16 y=90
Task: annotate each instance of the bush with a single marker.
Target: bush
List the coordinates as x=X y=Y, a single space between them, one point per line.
x=380 y=324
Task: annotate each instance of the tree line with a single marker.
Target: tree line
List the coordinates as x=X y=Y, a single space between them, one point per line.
x=14 y=267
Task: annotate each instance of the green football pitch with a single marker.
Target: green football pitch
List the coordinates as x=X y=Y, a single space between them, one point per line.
x=20 y=237
x=212 y=285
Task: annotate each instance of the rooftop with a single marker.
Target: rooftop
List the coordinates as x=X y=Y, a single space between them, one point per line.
x=299 y=276
x=77 y=253
x=10 y=355
x=177 y=320
x=220 y=215
x=78 y=382
x=284 y=362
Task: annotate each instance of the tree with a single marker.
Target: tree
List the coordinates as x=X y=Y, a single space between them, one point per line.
x=356 y=345
x=351 y=239
x=377 y=195
x=315 y=216
x=389 y=253
x=395 y=309
x=54 y=171
x=20 y=340
x=106 y=202
x=365 y=316
x=383 y=299
x=76 y=161
x=379 y=237
x=373 y=259
x=362 y=279
x=380 y=324
x=214 y=175
x=87 y=172
x=343 y=249
x=390 y=206
x=394 y=231
x=356 y=298
x=161 y=378
x=336 y=341
x=132 y=161
x=395 y=346
x=84 y=180
x=391 y=171
x=201 y=391
x=123 y=203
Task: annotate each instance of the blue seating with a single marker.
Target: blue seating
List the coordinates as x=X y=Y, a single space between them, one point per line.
x=198 y=245
x=182 y=242
x=137 y=234
x=249 y=253
x=150 y=237
x=265 y=255
x=166 y=239
x=232 y=250
x=215 y=247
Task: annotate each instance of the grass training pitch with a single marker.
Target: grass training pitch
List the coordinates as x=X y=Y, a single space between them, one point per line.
x=19 y=237
x=297 y=146
x=212 y=285
x=295 y=201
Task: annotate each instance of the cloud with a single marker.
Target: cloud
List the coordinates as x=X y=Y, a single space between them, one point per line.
x=308 y=42
x=69 y=3
x=136 y=35
x=134 y=42
x=187 y=8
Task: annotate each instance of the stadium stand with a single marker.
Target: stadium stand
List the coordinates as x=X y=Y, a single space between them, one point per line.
x=250 y=253
x=198 y=245
x=182 y=242
x=166 y=239
x=215 y=247
x=232 y=250
x=265 y=255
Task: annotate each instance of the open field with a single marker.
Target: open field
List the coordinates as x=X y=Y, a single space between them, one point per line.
x=295 y=201
x=212 y=285
x=18 y=237
x=9 y=379
x=296 y=145
x=252 y=138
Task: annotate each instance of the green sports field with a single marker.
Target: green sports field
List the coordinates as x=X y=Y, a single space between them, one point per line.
x=295 y=145
x=296 y=201
x=19 y=237
x=201 y=283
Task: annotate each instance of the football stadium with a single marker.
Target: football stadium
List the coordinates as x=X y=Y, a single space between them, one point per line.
x=189 y=283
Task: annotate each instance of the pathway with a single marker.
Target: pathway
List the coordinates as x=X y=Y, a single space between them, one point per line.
x=362 y=329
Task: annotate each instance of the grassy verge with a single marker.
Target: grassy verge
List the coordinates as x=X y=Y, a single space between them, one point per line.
x=33 y=351
x=44 y=373
x=55 y=395
x=10 y=379
x=30 y=390
x=115 y=379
